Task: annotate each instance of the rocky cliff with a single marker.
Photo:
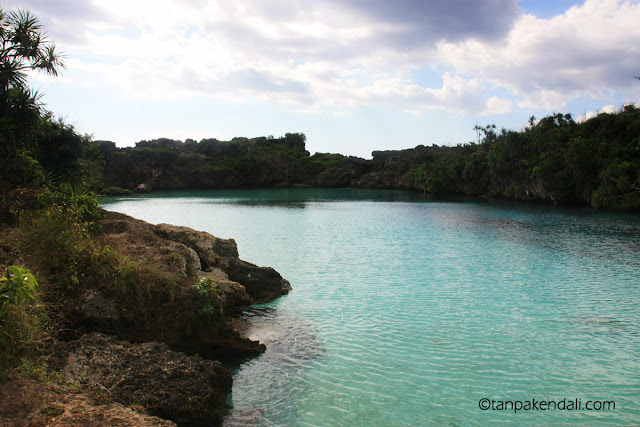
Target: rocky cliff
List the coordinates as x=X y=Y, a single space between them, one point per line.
x=144 y=325
x=191 y=257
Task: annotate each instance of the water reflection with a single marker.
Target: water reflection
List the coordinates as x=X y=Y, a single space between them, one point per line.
x=271 y=204
x=557 y=229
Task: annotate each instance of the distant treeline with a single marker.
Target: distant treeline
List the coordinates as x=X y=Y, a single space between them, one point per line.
x=596 y=163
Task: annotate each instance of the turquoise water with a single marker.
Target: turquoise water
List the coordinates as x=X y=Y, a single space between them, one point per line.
x=407 y=312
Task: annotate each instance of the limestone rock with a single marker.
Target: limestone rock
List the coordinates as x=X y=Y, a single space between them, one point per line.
x=95 y=309
x=27 y=403
x=212 y=251
x=184 y=250
x=186 y=389
x=263 y=284
x=137 y=239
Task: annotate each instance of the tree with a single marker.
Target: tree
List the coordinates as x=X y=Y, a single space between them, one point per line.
x=23 y=47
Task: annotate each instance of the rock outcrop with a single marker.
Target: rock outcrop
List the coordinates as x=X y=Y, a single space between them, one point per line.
x=28 y=403
x=151 y=313
x=263 y=284
x=171 y=385
x=190 y=256
x=198 y=252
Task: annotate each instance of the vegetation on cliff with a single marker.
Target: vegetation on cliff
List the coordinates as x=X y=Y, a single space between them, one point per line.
x=593 y=163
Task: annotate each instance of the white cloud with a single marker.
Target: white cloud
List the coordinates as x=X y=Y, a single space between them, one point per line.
x=330 y=55
x=457 y=94
x=497 y=105
x=591 y=49
x=609 y=109
x=334 y=53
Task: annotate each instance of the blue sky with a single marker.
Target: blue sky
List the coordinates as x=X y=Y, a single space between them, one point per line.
x=353 y=75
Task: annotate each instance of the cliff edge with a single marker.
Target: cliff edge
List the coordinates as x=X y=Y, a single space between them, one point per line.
x=143 y=315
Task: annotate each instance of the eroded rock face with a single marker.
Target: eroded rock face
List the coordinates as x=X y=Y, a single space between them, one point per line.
x=190 y=257
x=263 y=284
x=187 y=251
x=212 y=251
x=95 y=309
x=162 y=377
x=171 y=385
x=28 y=403
x=137 y=240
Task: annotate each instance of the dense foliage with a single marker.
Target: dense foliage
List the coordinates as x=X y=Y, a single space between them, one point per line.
x=594 y=163
x=32 y=143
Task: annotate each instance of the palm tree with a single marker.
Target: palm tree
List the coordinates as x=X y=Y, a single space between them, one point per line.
x=23 y=47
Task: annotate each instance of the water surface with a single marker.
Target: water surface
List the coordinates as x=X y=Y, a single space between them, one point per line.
x=406 y=311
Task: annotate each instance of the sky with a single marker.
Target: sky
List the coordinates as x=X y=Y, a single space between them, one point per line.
x=353 y=75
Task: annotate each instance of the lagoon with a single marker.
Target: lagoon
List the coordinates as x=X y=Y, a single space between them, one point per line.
x=408 y=311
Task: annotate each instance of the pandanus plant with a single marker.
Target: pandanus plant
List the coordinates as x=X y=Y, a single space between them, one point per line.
x=23 y=47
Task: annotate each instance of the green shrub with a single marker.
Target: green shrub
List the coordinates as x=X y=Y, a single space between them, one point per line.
x=23 y=322
x=206 y=288
x=16 y=286
x=58 y=248
x=116 y=191
x=81 y=208
x=57 y=240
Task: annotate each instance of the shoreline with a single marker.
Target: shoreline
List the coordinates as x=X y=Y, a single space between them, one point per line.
x=125 y=342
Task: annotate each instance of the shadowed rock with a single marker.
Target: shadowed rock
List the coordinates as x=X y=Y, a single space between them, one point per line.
x=29 y=403
x=186 y=389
